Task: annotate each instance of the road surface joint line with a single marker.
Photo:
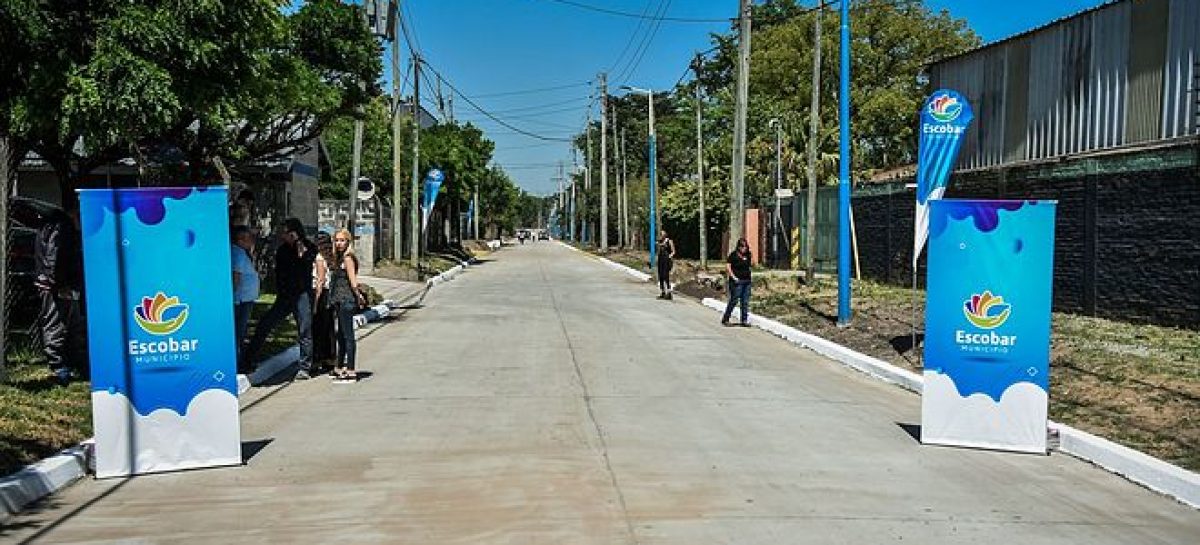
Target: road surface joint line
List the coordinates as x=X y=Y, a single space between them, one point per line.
x=587 y=400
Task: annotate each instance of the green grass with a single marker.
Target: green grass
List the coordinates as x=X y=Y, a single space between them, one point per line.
x=1138 y=385
x=38 y=417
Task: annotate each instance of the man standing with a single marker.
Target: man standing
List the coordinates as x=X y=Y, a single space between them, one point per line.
x=293 y=294
x=245 y=287
x=58 y=265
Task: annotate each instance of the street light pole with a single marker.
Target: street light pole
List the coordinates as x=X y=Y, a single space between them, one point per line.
x=844 y=176
x=653 y=174
x=700 y=171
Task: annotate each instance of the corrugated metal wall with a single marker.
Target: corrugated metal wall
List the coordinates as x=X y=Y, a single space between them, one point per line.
x=1122 y=74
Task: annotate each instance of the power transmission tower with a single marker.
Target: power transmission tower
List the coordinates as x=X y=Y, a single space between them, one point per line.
x=603 y=162
x=700 y=169
x=814 y=116
x=737 y=194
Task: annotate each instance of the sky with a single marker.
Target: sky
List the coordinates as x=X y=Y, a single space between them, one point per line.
x=534 y=63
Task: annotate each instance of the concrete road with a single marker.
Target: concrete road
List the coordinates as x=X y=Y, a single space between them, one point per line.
x=543 y=398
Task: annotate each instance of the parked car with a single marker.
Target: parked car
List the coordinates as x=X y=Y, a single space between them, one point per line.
x=543 y=235
x=25 y=217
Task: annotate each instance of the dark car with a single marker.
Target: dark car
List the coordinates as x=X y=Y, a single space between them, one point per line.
x=25 y=216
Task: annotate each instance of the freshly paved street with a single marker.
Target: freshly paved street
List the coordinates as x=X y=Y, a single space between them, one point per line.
x=543 y=398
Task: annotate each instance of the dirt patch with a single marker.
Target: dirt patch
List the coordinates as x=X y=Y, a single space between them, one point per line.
x=1138 y=385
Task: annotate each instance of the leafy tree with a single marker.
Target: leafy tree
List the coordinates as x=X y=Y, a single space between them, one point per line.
x=224 y=78
x=376 y=160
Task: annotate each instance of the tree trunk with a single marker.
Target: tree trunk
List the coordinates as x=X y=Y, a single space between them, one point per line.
x=8 y=175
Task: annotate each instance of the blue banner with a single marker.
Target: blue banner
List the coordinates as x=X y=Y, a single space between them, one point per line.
x=160 y=329
x=944 y=120
x=433 y=184
x=987 y=324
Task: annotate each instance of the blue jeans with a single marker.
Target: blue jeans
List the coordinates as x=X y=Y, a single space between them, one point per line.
x=739 y=291
x=300 y=307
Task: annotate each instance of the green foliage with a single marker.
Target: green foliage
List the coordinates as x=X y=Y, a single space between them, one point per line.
x=376 y=153
x=232 y=78
x=892 y=42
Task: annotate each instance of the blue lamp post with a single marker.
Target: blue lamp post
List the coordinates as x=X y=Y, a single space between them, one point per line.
x=653 y=175
x=844 y=175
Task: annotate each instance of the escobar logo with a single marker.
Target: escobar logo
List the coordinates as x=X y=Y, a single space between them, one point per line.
x=988 y=312
x=943 y=109
x=161 y=316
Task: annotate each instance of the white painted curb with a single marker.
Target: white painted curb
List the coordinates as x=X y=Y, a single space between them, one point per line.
x=641 y=276
x=38 y=480
x=446 y=276
x=872 y=366
x=1139 y=467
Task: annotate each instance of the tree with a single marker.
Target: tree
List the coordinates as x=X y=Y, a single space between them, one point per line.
x=224 y=78
x=376 y=152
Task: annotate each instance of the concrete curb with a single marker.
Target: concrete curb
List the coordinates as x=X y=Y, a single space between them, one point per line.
x=38 y=480
x=641 y=276
x=1139 y=467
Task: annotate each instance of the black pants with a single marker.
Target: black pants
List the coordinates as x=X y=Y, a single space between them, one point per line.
x=63 y=337
x=324 y=336
x=347 y=345
x=664 y=274
x=300 y=307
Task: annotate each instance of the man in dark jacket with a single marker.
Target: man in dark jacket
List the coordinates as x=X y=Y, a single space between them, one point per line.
x=293 y=294
x=58 y=266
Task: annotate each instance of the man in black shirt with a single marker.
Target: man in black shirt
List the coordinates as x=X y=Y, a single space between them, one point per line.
x=738 y=268
x=293 y=294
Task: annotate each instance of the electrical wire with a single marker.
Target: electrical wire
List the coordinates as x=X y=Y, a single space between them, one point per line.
x=533 y=91
x=597 y=9
x=636 y=60
x=632 y=37
x=489 y=114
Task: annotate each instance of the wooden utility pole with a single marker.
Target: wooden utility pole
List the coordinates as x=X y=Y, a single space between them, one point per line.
x=625 y=190
x=603 y=162
x=414 y=212
x=700 y=169
x=814 y=129
x=587 y=181
x=622 y=236
x=397 y=232
x=737 y=214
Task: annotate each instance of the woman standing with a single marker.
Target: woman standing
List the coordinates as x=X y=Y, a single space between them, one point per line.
x=666 y=258
x=324 y=315
x=738 y=268
x=346 y=299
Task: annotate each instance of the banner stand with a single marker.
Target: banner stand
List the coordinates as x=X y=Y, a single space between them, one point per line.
x=160 y=329
x=987 y=334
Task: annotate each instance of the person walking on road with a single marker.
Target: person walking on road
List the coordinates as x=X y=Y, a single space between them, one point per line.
x=58 y=269
x=738 y=268
x=245 y=288
x=347 y=299
x=666 y=260
x=293 y=294
x=324 y=315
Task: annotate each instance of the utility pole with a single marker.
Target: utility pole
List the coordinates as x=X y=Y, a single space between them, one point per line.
x=475 y=215
x=603 y=162
x=397 y=242
x=700 y=169
x=814 y=116
x=574 y=205
x=355 y=164
x=737 y=215
x=778 y=186
x=587 y=179
x=621 y=235
x=414 y=205
x=625 y=189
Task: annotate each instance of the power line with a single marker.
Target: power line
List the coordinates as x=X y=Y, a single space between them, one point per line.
x=597 y=9
x=632 y=37
x=631 y=69
x=532 y=91
x=489 y=114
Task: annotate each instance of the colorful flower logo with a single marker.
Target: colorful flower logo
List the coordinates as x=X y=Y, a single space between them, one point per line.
x=986 y=311
x=160 y=315
x=945 y=108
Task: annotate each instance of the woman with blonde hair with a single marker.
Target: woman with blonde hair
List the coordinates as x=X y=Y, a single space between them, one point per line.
x=346 y=299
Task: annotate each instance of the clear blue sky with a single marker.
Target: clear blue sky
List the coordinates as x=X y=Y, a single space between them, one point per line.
x=485 y=47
